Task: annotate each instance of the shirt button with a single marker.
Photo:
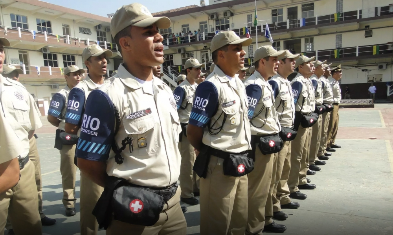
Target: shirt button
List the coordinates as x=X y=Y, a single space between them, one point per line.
x=140 y=129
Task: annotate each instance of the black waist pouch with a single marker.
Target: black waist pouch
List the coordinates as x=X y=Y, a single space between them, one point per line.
x=58 y=142
x=270 y=144
x=329 y=107
x=320 y=109
x=287 y=134
x=202 y=161
x=309 y=120
x=238 y=164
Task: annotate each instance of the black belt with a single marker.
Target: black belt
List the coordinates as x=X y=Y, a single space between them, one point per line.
x=23 y=162
x=222 y=154
x=335 y=103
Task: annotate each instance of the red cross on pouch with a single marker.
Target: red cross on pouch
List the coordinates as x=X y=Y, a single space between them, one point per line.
x=68 y=137
x=311 y=120
x=241 y=168
x=272 y=143
x=289 y=135
x=136 y=206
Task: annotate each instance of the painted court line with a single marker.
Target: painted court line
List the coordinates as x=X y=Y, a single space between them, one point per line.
x=390 y=154
x=50 y=172
x=382 y=120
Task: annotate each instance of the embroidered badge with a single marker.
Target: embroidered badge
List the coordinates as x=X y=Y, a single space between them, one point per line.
x=241 y=168
x=18 y=95
x=142 y=143
x=229 y=104
x=272 y=143
x=289 y=135
x=136 y=206
x=139 y=114
x=173 y=103
x=266 y=98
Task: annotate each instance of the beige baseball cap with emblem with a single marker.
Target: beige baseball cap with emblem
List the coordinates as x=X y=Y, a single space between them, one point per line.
x=72 y=69
x=192 y=63
x=224 y=38
x=251 y=69
x=327 y=66
x=319 y=63
x=7 y=69
x=266 y=51
x=137 y=15
x=303 y=59
x=288 y=55
x=181 y=77
x=337 y=68
x=4 y=42
x=94 y=50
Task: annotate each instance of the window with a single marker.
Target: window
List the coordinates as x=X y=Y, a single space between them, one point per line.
x=66 y=29
x=251 y=51
x=308 y=10
x=276 y=45
x=101 y=36
x=84 y=30
x=44 y=25
x=68 y=60
x=339 y=5
x=203 y=26
x=277 y=15
x=23 y=59
x=309 y=44
x=185 y=28
x=339 y=40
x=249 y=20
x=165 y=31
x=50 y=60
x=222 y=24
x=19 y=21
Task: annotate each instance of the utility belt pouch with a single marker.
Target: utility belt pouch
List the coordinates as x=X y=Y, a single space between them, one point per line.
x=183 y=131
x=68 y=139
x=270 y=144
x=309 y=120
x=235 y=164
x=202 y=161
x=287 y=134
x=320 y=109
x=329 y=107
x=58 y=142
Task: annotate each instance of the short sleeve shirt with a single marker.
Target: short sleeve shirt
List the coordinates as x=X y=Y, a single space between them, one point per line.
x=58 y=106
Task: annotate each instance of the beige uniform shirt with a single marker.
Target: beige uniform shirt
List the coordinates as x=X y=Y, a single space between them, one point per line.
x=184 y=108
x=151 y=120
x=227 y=112
x=336 y=92
x=284 y=104
x=264 y=120
x=306 y=99
x=20 y=111
x=327 y=91
x=318 y=91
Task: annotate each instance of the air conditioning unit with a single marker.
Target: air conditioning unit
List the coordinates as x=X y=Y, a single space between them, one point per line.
x=107 y=29
x=390 y=47
x=98 y=27
x=382 y=66
x=45 y=50
x=55 y=86
x=213 y=16
x=228 y=14
x=368 y=33
x=181 y=50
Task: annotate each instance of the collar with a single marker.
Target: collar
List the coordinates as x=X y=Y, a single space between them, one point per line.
x=129 y=80
x=257 y=75
x=90 y=83
x=222 y=77
x=279 y=77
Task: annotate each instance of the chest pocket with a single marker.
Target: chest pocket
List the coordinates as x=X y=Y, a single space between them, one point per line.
x=176 y=127
x=20 y=105
x=285 y=100
x=141 y=131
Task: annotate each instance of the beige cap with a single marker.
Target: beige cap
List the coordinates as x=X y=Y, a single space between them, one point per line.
x=224 y=38
x=7 y=69
x=319 y=63
x=137 y=15
x=181 y=77
x=243 y=69
x=202 y=74
x=4 y=42
x=288 y=55
x=337 y=68
x=72 y=69
x=192 y=63
x=212 y=68
x=94 y=50
x=251 y=69
x=303 y=59
x=265 y=51
x=327 y=66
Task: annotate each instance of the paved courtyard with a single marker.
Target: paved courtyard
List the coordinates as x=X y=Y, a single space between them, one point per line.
x=353 y=195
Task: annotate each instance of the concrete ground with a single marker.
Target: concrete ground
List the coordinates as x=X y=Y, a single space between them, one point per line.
x=353 y=195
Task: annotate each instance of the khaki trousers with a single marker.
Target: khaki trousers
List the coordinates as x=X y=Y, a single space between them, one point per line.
x=171 y=222
x=68 y=175
x=223 y=201
x=281 y=192
x=188 y=179
x=298 y=158
x=333 y=126
x=20 y=204
x=324 y=134
x=259 y=191
x=315 y=140
x=90 y=193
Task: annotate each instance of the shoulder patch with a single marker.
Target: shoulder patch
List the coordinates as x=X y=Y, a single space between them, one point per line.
x=56 y=105
x=254 y=94
x=205 y=104
x=75 y=106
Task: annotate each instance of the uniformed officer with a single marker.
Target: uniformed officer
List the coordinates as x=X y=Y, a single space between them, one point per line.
x=304 y=99
x=184 y=96
x=328 y=102
x=146 y=140
x=242 y=73
x=219 y=121
x=316 y=80
x=180 y=79
x=334 y=118
x=20 y=202
x=56 y=116
x=12 y=72
x=264 y=122
x=286 y=113
x=95 y=59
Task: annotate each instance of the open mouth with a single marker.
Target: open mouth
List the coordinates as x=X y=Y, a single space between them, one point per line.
x=159 y=50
